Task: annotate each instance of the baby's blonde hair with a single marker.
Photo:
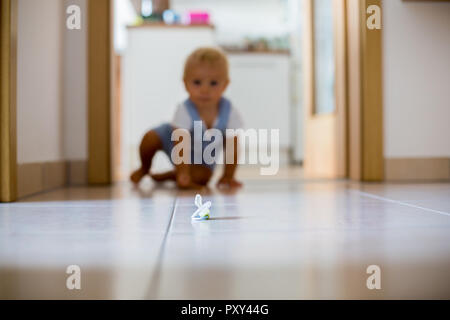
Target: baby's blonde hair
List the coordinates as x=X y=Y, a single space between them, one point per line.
x=212 y=56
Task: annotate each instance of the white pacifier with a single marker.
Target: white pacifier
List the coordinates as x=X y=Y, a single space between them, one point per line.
x=202 y=213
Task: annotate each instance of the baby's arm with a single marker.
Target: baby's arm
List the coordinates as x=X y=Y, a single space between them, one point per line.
x=227 y=179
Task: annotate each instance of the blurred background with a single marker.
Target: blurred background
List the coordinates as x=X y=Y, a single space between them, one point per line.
x=271 y=83
x=261 y=38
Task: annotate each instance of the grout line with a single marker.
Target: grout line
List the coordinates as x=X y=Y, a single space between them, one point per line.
x=171 y=217
x=369 y=195
x=156 y=277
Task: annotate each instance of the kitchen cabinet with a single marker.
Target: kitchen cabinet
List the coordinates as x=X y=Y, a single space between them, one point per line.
x=260 y=89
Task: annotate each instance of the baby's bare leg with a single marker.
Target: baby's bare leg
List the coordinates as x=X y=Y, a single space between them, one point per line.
x=160 y=177
x=149 y=145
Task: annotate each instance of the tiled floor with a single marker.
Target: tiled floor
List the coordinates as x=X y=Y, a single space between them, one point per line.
x=277 y=238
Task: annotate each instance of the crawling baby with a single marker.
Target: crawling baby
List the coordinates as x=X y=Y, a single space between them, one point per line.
x=205 y=79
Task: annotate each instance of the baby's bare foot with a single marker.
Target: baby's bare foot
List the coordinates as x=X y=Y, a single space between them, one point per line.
x=137 y=176
x=160 y=177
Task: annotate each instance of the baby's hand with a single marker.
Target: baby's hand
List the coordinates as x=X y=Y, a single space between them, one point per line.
x=227 y=182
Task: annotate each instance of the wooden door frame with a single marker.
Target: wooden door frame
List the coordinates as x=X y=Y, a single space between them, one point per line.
x=99 y=63
x=359 y=129
x=363 y=122
x=8 y=102
x=365 y=94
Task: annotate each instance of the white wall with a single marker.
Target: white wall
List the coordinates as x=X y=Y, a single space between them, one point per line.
x=75 y=88
x=51 y=88
x=416 y=48
x=39 y=83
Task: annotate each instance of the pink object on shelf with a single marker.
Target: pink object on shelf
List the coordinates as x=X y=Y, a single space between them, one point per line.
x=197 y=17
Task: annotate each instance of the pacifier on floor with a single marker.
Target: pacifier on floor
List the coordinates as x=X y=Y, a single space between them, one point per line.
x=202 y=213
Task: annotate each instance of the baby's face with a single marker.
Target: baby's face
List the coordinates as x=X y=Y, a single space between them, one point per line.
x=205 y=84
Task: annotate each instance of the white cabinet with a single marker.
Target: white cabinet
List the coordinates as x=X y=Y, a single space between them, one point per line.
x=260 y=88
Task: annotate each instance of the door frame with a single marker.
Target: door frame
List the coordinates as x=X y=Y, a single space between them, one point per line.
x=99 y=83
x=361 y=126
x=365 y=94
x=356 y=149
x=8 y=102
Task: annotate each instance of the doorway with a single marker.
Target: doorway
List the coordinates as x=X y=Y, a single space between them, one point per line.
x=263 y=43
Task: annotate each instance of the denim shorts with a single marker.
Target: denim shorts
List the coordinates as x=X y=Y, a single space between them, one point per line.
x=164 y=132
